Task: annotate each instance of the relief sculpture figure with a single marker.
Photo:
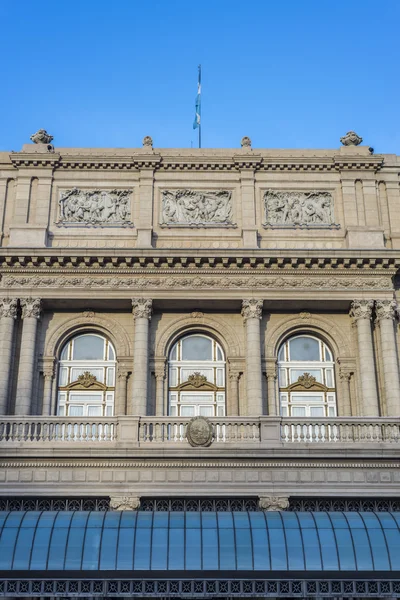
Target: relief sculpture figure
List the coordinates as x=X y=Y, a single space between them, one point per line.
x=298 y=208
x=95 y=207
x=189 y=207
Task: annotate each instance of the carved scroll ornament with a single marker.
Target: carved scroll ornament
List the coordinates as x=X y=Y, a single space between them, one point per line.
x=195 y=208
x=298 y=209
x=95 y=207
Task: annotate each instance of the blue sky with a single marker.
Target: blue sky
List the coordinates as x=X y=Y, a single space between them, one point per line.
x=287 y=73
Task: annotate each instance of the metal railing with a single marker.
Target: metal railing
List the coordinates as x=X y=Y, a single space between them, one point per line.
x=140 y=431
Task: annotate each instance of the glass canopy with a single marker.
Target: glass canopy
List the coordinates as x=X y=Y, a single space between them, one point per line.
x=194 y=541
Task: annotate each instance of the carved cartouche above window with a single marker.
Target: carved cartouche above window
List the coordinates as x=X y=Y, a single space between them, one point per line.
x=298 y=209
x=95 y=207
x=192 y=208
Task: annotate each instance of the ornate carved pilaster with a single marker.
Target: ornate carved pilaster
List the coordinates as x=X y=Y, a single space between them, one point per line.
x=272 y=376
x=124 y=502
x=121 y=391
x=252 y=313
x=48 y=376
x=361 y=313
x=273 y=503
x=141 y=310
x=8 y=314
x=345 y=378
x=386 y=312
x=159 y=372
x=233 y=394
x=31 y=310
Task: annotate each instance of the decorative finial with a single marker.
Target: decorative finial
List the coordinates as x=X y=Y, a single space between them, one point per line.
x=351 y=139
x=41 y=137
x=245 y=142
x=147 y=141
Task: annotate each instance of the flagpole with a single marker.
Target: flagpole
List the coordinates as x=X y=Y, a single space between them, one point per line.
x=200 y=117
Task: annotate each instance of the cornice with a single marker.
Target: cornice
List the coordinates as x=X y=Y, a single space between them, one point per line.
x=236 y=162
x=160 y=262
x=201 y=463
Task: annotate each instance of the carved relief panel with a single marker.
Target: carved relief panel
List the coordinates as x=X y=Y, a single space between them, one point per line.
x=95 y=207
x=298 y=209
x=194 y=208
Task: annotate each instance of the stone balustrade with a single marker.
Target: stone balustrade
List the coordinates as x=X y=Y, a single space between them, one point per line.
x=236 y=431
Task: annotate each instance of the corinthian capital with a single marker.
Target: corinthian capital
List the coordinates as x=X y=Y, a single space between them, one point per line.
x=8 y=307
x=31 y=308
x=361 y=309
x=142 y=308
x=385 y=309
x=252 y=309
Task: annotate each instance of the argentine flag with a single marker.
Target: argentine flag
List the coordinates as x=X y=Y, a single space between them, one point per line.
x=197 y=118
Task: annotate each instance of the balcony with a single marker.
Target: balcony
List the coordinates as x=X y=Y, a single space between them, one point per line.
x=230 y=432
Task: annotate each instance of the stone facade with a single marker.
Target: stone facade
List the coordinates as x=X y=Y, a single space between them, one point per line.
x=248 y=247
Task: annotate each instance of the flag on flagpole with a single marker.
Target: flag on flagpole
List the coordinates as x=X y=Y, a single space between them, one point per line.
x=197 y=118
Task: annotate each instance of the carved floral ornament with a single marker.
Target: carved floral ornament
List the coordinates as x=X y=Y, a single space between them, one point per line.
x=124 y=502
x=361 y=309
x=197 y=380
x=142 y=308
x=196 y=208
x=8 y=307
x=386 y=309
x=95 y=207
x=351 y=139
x=286 y=282
x=306 y=380
x=252 y=309
x=87 y=379
x=31 y=308
x=298 y=209
x=41 y=137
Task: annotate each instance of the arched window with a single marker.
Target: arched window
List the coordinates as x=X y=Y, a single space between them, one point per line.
x=306 y=378
x=86 y=380
x=196 y=377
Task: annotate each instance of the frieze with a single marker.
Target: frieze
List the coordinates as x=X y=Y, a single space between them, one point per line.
x=95 y=207
x=298 y=209
x=192 y=208
x=148 y=281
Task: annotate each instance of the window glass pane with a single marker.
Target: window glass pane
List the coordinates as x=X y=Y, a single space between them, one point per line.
x=111 y=354
x=363 y=551
x=75 y=410
x=244 y=550
x=74 y=549
x=312 y=549
x=142 y=549
x=309 y=398
x=329 y=378
x=125 y=549
x=7 y=542
x=40 y=547
x=296 y=373
x=91 y=549
x=220 y=377
x=108 y=551
x=187 y=411
x=225 y=520
x=281 y=355
x=328 y=550
x=82 y=397
x=226 y=548
x=282 y=377
x=278 y=549
x=64 y=353
x=206 y=411
x=176 y=554
x=193 y=548
x=328 y=355
x=393 y=541
x=298 y=411
x=295 y=549
x=345 y=550
x=304 y=348
x=196 y=347
x=110 y=377
x=219 y=354
x=63 y=376
x=23 y=548
x=317 y=411
x=379 y=550
x=88 y=347
x=174 y=354
x=94 y=411
x=210 y=548
x=159 y=548
x=260 y=549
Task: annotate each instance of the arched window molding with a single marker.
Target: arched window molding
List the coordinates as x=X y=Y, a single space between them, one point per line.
x=306 y=374
x=86 y=376
x=196 y=377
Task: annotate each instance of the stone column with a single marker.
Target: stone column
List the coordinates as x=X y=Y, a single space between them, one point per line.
x=121 y=395
x=141 y=309
x=385 y=316
x=159 y=372
x=361 y=313
x=48 y=375
x=31 y=308
x=233 y=408
x=271 y=374
x=8 y=314
x=345 y=377
x=252 y=313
